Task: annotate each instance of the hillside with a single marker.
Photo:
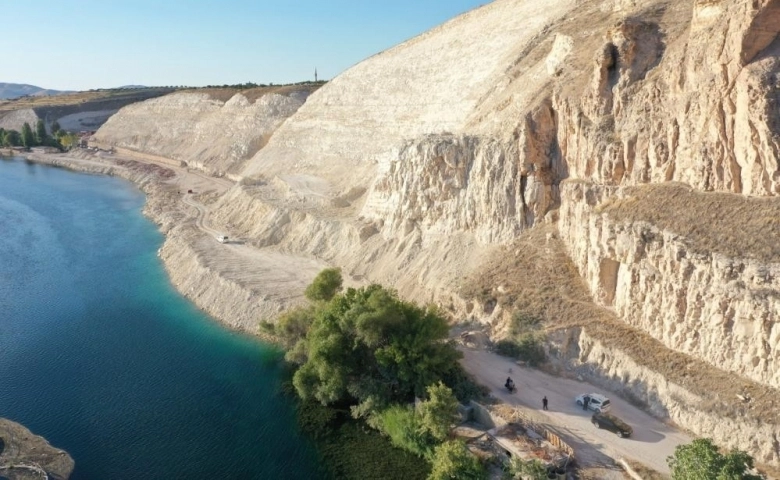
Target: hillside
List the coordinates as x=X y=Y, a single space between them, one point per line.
x=609 y=167
x=74 y=111
x=16 y=90
x=214 y=130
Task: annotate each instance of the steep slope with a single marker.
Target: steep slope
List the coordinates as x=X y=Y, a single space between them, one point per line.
x=464 y=166
x=207 y=133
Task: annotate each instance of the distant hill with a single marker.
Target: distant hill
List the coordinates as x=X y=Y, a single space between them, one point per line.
x=16 y=90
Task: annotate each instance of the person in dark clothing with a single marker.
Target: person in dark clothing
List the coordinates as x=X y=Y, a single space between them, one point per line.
x=510 y=385
x=585 y=403
x=544 y=403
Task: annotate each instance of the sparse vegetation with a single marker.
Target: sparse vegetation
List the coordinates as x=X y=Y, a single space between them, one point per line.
x=525 y=469
x=731 y=224
x=453 y=461
x=558 y=297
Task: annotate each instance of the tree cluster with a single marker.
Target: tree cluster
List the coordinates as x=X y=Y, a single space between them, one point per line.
x=33 y=138
x=701 y=460
x=368 y=350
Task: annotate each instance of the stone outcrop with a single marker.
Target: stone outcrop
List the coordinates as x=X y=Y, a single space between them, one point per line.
x=709 y=303
x=24 y=455
x=206 y=133
x=413 y=166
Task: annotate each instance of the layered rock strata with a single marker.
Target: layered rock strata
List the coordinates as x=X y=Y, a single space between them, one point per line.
x=206 y=133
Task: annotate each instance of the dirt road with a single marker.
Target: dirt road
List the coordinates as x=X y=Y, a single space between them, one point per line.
x=650 y=444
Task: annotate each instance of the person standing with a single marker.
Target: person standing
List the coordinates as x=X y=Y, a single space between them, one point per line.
x=544 y=403
x=585 y=403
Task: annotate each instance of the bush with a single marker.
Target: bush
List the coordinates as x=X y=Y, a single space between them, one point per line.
x=701 y=460
x=523 y=323
x=403 y=426
x=453 y=461
x=349 y=451
x=527 y=470
x=527 y=347
x=325 y=285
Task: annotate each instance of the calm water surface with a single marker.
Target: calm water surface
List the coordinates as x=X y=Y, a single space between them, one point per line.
x=100 y=355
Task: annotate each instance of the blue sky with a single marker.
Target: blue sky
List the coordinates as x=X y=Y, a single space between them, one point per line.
x=83 y=44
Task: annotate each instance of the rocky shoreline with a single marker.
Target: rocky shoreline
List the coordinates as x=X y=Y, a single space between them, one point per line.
x=24 y=455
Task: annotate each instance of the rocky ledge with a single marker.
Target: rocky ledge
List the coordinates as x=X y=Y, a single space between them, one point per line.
x=24 y=455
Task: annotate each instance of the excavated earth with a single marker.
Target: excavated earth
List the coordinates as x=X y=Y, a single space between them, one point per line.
x=609 y=166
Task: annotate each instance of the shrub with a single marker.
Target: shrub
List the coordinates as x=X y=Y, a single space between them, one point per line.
x=452 y=460
x=527 y=347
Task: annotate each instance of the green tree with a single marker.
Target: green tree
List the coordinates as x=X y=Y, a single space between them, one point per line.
x=40 y=132
x=325 y=285
x=367 y=346
x=701 y=460
x=438 y=411
x=55 y=127
x=12 y=139
x=453 y=461
x=419 y=430
x=403 y=426
x=28 y=139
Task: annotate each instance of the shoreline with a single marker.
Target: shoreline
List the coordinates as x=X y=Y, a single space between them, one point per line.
x=227 y=302
x=214 y=294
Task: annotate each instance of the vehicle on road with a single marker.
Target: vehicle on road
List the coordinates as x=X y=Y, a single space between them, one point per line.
x=222 y=238
x=594 y=401
x=607 y=421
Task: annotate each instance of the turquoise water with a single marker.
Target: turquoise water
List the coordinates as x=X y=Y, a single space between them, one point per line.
x=101 y=356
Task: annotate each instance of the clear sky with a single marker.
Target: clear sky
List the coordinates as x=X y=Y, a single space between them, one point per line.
x=84 y=44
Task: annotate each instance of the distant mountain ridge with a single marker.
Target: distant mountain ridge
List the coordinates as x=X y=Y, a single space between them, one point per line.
x=16 y=90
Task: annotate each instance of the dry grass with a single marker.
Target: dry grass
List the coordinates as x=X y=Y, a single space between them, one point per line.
x=731 y=224
x=534 y=276
x=646 y=472
x=252 y=94
x=81 y=97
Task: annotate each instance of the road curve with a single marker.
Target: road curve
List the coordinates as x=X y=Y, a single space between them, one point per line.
x=651 y=443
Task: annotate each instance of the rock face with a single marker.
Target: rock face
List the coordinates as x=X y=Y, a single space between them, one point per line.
x=26 y=456
x=414 y=165
x=209 y=134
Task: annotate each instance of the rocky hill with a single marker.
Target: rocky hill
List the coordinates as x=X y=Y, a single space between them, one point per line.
x=73 y=111
x=608 y=166
x=16 y=90
x=203 y=129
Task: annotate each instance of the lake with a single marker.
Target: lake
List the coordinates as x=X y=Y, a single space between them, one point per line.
x=100 y=355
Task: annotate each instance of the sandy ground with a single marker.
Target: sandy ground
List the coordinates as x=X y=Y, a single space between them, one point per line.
x=650 y=444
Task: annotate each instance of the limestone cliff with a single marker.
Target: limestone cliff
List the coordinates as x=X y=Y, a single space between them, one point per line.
x=418 y=165
x=209 y=134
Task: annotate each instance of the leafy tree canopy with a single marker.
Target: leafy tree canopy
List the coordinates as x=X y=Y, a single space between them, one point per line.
x=701 y=460
x=325 y=285
x=28 y=139
x=453 y=461
x=40 y=132
x=437 y=413
x=367 y=346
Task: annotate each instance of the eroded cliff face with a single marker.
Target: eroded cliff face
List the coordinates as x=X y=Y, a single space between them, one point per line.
x=716 y=304
x=413 y=166
x=206 y=133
